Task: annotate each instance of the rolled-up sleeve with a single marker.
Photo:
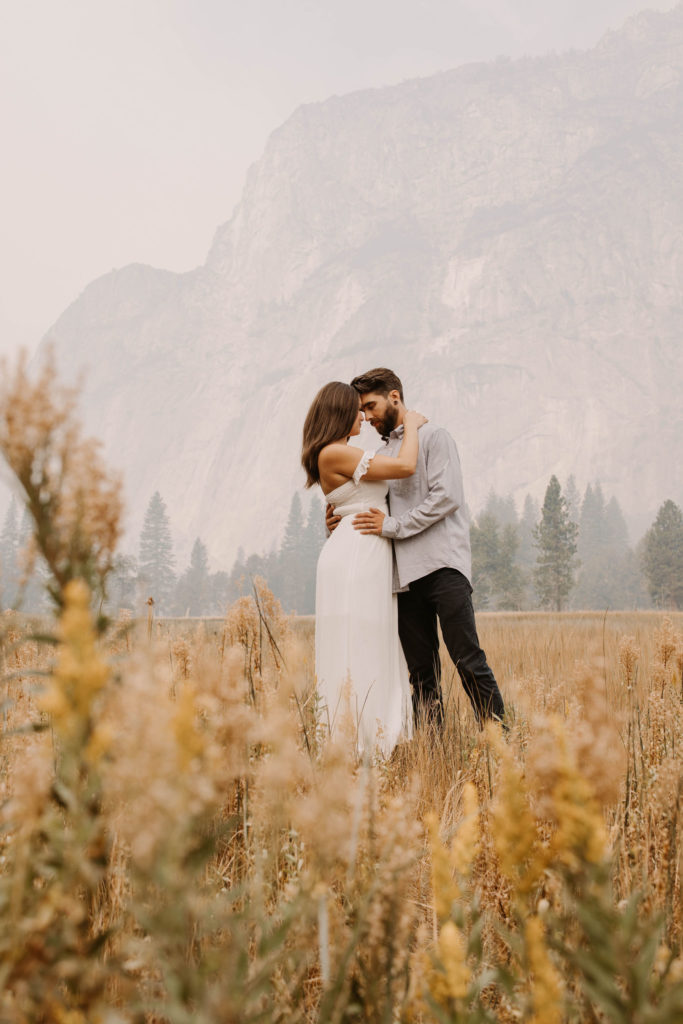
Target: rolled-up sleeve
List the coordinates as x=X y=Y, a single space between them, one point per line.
x=445 y=490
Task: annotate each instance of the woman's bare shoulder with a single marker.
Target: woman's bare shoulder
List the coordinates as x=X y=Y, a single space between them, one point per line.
x=338 y=453
x=335 y=448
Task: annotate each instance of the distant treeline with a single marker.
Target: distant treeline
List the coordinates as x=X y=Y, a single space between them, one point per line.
x=195 y=591
x=572 y=552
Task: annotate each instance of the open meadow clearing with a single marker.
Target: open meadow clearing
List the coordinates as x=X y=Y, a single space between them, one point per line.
x=181 y=842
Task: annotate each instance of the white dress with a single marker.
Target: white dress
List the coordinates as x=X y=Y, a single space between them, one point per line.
x=361 y=669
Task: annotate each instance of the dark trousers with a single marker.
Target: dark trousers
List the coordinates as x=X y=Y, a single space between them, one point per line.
x=446 y=595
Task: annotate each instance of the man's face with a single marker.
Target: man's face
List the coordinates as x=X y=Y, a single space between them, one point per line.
x=382 y=412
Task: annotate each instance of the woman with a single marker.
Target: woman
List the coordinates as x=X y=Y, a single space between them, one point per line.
x=359 y=663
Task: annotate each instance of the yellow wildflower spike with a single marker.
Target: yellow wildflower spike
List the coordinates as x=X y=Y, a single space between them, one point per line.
x=581 y=834
x=80 y=673
x=520 y=853
x=188 y=738
x=453 y=980
x=465 y=845
x=546 y=986
x=444 y=887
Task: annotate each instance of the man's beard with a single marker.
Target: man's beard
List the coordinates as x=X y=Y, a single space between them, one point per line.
x=389 y=420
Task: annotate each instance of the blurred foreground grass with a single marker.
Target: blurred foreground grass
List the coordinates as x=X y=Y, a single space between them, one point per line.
x=181 y=841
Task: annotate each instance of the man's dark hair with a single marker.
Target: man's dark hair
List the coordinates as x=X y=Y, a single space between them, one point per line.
x=381 y=381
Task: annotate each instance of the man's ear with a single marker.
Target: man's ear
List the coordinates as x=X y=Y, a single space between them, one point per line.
x=394 y=396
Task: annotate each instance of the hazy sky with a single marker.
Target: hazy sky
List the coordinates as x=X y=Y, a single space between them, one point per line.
x=128 y=125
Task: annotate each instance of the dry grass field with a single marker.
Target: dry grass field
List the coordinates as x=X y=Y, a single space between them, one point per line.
x=180 y=841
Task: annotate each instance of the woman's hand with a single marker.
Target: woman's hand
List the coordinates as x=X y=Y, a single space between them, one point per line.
x=413 y=418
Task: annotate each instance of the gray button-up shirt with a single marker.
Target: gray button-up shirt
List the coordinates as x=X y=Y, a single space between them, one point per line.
x=428 y=520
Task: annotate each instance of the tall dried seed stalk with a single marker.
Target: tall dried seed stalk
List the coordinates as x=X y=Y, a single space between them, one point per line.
x=74 y=502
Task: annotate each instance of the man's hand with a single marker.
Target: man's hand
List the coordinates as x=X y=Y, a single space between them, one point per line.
x=331 y=520
x=369 y=522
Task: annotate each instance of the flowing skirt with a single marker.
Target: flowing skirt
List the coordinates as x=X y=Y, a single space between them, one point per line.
x=362 y=674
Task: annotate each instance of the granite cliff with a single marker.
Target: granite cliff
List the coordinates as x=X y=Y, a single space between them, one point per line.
x=507 y=236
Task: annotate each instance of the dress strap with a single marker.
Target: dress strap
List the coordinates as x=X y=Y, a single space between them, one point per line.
x=362 y=467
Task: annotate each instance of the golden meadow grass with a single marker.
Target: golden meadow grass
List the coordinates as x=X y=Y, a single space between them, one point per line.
x=181 y=842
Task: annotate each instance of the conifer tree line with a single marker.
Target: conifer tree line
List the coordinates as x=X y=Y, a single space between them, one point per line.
x=153 y=571
x=289 y=569
x=572 y=552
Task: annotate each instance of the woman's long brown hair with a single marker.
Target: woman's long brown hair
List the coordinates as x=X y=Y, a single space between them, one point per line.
x=331 y=416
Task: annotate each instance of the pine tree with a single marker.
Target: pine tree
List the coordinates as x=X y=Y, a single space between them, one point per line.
x=219 y=592
x=9 y=557
x=121 y=584
x=497 y=579
x=526 y=552
x=555 y=539
x=663 y=557
x=315 y=535
x=593 y=585
x=509 y=576
x=592 y=525
x=238 y=581
x=527 y=525
x=485 y=545
x=194 y=586
x=609 y=576
x=503 y=508
x=271 y=571
x=616 y=530
x=630 y=590
x=573 y=499
x=157 y=561
x=292 y=560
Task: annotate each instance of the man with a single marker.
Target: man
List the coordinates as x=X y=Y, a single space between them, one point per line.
x=429 y=527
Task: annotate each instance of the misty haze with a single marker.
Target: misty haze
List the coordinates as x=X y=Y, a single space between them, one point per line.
x=505 y=235
x=341 y=529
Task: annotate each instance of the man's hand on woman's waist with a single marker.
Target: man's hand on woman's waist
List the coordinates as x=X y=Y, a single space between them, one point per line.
x=370 y=521
x=332 y=520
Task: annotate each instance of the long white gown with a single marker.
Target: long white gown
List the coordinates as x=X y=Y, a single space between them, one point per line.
x=360 y=666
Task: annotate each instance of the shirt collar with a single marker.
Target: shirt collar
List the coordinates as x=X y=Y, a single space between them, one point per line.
x=397 y=432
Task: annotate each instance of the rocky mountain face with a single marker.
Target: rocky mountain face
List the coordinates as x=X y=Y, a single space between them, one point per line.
x=507 y=236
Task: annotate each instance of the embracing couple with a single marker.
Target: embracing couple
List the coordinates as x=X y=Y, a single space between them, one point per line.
x=377 y=608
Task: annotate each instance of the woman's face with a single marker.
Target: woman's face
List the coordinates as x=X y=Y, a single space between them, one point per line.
x=355 y=431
